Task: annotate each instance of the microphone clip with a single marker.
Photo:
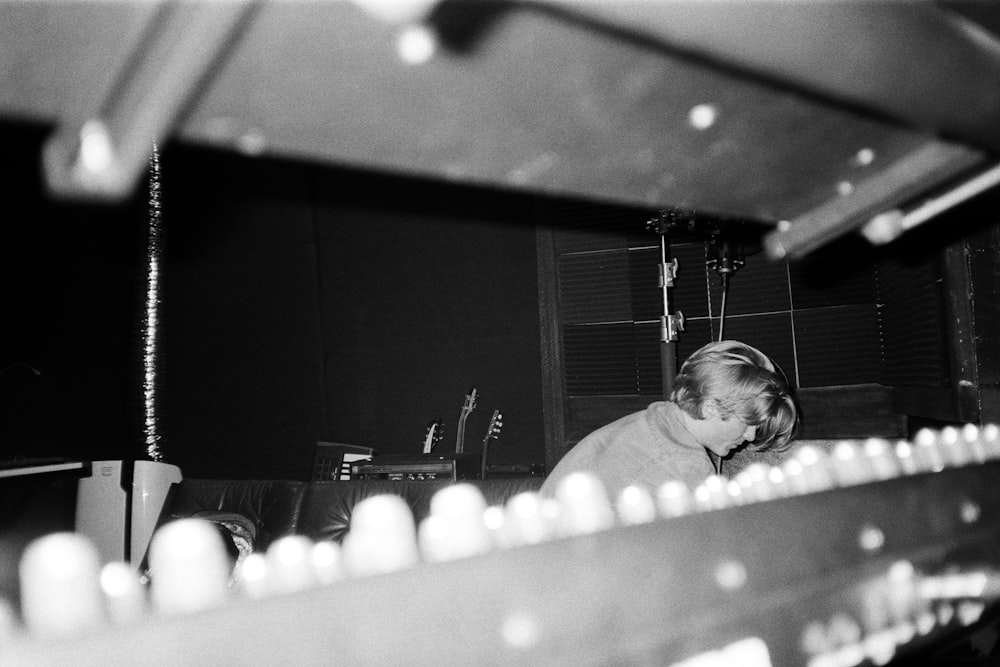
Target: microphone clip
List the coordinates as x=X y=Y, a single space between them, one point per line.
x=724 y=251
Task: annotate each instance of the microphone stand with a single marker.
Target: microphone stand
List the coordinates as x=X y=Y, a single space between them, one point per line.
x=670 y=322
x=724 y=255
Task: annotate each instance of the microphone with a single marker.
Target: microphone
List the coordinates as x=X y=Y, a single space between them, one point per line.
x=724 y=251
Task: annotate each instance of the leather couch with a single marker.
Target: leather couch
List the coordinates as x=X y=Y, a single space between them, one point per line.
x=317 y=510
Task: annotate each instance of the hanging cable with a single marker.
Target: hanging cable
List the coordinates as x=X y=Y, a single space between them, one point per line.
x=722 y=311
x=725 y=256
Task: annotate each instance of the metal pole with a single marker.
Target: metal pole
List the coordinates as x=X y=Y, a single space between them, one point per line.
x=670 y=322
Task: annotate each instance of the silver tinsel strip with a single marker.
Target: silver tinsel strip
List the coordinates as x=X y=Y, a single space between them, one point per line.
x=150 y=334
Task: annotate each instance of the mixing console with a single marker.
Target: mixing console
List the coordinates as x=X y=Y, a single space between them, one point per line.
x=869 y=553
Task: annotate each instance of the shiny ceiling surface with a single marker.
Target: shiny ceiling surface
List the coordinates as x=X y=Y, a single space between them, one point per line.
x=821 y=114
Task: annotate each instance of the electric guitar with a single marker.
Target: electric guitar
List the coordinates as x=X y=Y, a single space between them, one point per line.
x=467 y=408
x=492 y=432
x=435 y=431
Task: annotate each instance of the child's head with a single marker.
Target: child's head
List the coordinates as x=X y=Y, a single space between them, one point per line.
x=737 y=380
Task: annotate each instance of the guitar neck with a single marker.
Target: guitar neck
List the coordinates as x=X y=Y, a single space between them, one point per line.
x=467 y=408
x=482 y=462
x=460 y=439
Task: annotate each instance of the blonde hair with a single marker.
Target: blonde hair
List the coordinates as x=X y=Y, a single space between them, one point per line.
x=739 y=381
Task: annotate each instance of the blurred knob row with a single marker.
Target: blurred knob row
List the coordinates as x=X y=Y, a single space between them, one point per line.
x=66 y=591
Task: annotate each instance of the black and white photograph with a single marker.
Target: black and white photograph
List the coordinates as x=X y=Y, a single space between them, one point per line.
x=500 y=332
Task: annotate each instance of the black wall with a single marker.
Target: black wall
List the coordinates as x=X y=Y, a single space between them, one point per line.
x=299 y=303
x=426 y=292
x=68 y=318
x=242 y=383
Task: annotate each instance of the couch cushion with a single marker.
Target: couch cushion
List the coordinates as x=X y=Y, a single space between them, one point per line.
x=273 y=506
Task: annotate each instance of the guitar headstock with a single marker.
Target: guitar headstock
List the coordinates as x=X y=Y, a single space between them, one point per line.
x=433 y=435
x=467 y=407
x=496 y=422
x=470 y=401
x=492 y=432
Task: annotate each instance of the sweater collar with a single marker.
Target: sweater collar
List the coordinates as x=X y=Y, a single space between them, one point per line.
x=669 y=419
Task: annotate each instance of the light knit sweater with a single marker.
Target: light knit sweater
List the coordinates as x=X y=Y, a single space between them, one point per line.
x=645 y=448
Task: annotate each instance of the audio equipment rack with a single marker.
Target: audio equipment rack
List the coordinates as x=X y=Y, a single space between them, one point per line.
x=897 y=557
x=410 y=467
